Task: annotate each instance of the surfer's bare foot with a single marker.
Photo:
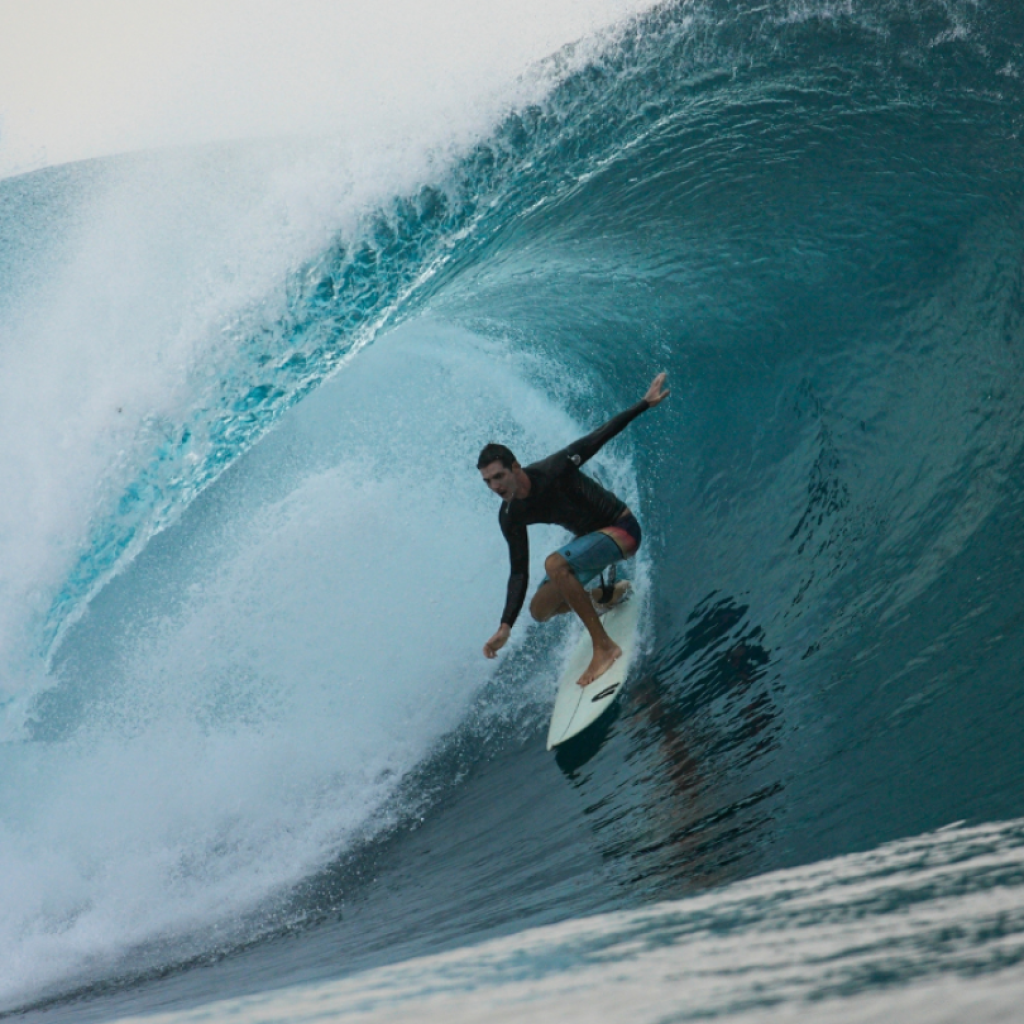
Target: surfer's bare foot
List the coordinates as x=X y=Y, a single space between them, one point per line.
x=619 y=593
x=603 y=659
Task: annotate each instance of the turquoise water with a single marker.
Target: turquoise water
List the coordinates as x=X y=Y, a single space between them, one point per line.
x=251 y=749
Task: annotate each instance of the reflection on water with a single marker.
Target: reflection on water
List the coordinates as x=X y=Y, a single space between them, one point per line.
x=687 y=803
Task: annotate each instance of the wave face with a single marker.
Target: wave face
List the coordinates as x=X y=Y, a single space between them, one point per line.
x=250 y=565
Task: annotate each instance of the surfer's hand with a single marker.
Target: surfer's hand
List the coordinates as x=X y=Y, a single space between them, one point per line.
x=497 y=641
x=657 y=392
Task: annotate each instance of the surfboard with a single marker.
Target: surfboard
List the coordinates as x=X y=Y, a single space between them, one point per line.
x=577 y=707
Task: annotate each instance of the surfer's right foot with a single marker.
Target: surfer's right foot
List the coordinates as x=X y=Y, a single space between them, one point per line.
x=603 y=659
x=619 y=594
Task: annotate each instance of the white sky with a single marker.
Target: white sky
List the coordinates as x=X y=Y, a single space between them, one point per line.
x=82 y=78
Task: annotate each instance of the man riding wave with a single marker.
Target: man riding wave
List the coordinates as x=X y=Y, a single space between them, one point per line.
x=605 y=531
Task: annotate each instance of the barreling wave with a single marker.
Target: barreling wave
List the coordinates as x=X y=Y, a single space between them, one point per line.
x=810 y=215
x=658 y=88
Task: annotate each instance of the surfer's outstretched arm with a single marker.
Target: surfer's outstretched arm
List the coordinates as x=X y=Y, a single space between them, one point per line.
x=587 y=447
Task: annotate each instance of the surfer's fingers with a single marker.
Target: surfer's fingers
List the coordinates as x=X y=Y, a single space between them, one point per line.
x=656 y=392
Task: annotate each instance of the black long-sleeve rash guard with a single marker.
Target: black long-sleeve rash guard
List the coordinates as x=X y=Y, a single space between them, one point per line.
x=560 y=493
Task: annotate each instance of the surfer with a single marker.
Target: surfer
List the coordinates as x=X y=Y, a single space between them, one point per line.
x=605 y=531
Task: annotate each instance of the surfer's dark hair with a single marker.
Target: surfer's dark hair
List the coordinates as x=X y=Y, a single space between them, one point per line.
x=495 y=453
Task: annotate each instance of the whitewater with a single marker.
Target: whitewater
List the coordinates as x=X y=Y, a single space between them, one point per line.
x=253 y=765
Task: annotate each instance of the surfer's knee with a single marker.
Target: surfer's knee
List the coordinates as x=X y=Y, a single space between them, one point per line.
x=555 y=565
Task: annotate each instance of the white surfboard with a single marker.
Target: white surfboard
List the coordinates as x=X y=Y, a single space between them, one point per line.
x=576 y=707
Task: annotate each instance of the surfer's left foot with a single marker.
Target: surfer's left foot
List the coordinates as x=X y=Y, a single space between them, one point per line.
x=619 y=593
x=603 y=659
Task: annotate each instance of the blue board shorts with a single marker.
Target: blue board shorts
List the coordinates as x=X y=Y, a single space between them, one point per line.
x=588 y=556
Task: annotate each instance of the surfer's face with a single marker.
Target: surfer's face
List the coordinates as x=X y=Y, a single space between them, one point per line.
x=500 y=479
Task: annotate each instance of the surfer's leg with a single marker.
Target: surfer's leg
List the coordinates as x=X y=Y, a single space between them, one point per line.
x=588 y=556
x=606 y=651
x=548 y=602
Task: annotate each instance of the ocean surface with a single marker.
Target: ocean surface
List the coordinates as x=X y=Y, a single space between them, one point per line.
x=253 y=764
